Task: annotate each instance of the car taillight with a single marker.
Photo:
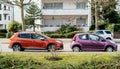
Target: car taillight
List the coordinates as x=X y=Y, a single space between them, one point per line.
x=74 y=38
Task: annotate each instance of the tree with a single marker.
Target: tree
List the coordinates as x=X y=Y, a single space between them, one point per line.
x=14 y=26
x=100 y=8
x=33 y=13
x=113 y=17
x=21 y=4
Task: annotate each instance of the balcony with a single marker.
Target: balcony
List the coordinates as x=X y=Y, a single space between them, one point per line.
x=65 y=12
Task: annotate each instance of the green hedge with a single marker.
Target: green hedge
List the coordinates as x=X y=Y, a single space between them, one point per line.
x=3 y=31
x=9 y=34
x=67 y=35
x=2 y=35
x=69 y=61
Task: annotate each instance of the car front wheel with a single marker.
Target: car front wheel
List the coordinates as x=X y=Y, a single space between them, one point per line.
x=76 y=49
x=52 y=48
x=17 y=47
x=109 y=49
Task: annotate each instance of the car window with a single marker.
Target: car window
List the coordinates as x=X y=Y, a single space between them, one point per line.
x=94 y=37
x=83 y=37
x=24 y=35
x=108 y=32
x=36 y=36
x=99 y=32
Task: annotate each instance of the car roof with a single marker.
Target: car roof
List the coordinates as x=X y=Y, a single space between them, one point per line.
x=102 y=30
x=25 y=32
x=83 y=33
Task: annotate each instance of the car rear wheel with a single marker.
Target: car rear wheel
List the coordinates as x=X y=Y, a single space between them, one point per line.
x=109 y=49
x=17 y=47
x=52 y=48
x=76 y=49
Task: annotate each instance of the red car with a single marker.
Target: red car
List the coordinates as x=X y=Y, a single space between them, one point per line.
x=32 y=40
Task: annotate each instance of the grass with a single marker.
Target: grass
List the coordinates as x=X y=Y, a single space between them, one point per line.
x=69 y=61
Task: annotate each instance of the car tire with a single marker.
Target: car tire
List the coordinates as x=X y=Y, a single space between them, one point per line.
x=109 y=49
x=51 y=48
x=17 y=47
x=76 y=49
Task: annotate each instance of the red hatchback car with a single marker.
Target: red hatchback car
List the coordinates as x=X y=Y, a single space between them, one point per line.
x=32 y=40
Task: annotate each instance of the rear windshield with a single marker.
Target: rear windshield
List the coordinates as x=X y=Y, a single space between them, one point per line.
x=108 y=32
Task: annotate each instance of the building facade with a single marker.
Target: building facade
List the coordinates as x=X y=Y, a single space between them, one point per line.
x=58 y=12
x=6 y=14
x=118 y=7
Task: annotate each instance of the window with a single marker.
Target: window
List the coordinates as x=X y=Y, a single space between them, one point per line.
x=9 y=18
x=4 y=7
x=36 y=36
x=0 y=7
x=53 y=5
x=48 y=6
x=9 y=8
x=5 y=16
x=99 y=32
x=58 y=5
x=81 y=5
x=81 y=22
x=25 y=35
x=53 y=23
x=94 y=37
x=108 y=32
x=0 y=17
x=83 y=37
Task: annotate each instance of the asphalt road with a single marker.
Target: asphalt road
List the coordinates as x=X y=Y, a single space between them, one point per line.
x=4 y=46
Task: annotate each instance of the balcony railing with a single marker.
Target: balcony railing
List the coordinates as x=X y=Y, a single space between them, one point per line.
x=65 y=12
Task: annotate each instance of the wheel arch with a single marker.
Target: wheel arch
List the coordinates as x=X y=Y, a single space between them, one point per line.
x=16 y=43
x=76 y=45
x=109 y=46
x=50 y=44
x=109 y=38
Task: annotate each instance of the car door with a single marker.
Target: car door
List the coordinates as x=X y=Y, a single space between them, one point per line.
x=39 y=41
x=84 y=41
x=25 y=40
x=96 y=43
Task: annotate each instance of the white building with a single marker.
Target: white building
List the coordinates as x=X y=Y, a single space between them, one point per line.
x=118 y=7
x=6 y=14
x=58 y=12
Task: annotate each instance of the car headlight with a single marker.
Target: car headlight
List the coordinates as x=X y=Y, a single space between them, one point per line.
x=58 y=41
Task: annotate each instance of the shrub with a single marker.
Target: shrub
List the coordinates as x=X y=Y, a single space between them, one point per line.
x=56 y=35
x=92 y=27
x=110 y=27
x=117 y=28
x=14 y=26
x=67 y=35
x=2 y=35
x=71 y=34
x=3 y=31
x=9 y=34
x=66 y=29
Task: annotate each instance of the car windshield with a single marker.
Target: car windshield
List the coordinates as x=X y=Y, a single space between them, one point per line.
x=43 y=35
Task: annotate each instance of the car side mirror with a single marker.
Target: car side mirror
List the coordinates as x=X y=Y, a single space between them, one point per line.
x=42 y=39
